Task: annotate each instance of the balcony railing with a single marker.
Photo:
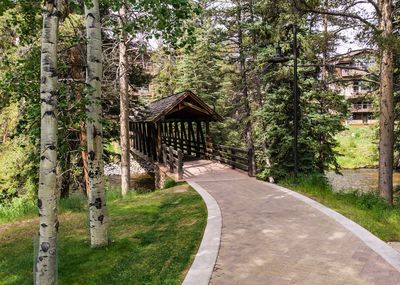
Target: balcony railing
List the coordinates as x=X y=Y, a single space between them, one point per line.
x=361 y=107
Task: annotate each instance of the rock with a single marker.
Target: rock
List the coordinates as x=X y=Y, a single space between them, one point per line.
x=136 y=168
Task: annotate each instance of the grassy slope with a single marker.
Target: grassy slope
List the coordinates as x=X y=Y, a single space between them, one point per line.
x=359 y=147
x=154 y=238
x=368 y=210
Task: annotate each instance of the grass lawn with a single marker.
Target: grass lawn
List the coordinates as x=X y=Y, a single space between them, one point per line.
x=154 y=239
x=359 y=147
x=367 y=209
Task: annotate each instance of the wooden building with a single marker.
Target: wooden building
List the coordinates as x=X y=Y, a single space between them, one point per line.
x=180 y=120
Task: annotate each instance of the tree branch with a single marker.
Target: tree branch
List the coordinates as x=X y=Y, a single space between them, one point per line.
x=308 y=9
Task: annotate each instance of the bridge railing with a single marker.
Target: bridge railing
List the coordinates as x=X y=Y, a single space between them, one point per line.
x=174 y=159
x=235 y=157
x=189 y=147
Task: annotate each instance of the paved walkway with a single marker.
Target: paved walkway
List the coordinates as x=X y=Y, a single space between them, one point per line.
x=270 y=236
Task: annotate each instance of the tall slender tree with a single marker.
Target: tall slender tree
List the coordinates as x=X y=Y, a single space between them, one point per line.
x=386 y=122
x=46 y=262
x=96 y=191
x=124 y=102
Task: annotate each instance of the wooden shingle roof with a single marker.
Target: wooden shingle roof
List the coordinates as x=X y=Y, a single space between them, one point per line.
x=161 y=108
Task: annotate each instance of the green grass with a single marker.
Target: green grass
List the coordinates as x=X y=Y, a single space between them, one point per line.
x=24 y=207
x=154 y=237
x=358 y=145
x=366 y=209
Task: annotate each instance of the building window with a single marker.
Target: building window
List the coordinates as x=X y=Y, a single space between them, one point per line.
x=357 y=87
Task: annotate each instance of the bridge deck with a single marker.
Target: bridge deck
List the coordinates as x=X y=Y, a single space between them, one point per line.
x=270 y=236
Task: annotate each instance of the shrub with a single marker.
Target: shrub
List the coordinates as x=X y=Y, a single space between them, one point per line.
x=169 y=183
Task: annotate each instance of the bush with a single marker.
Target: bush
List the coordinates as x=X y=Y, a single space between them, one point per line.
x=74 y=203
x=18 y=207
x=169 y=183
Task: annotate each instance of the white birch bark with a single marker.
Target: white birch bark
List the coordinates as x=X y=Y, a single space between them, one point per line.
x=46 y=262
x=124 y=104
x=96 y=193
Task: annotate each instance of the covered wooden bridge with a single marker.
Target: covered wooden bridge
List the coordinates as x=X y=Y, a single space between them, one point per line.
x=177 y=128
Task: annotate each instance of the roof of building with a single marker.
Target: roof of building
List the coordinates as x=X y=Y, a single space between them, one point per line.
x=181 y=105
x=348 y=56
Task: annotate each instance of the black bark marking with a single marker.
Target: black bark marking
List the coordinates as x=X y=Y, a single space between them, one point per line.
x=40 y=258
x=90 y=15
x=44 y=225
x=52 y=147
x=53 y=72
x=49 y=113
x=97 y=203
x=44 y=79
x=92 y=155
x=45 y=246
x=57 y=225
x=42 y=157
x=91 y=174
x=39 y=203
x=58 y=14
x=101 y=218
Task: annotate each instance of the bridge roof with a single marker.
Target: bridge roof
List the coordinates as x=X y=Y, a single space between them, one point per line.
x=179 y=106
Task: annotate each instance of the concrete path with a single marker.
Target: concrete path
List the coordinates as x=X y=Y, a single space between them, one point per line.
x=270 y=236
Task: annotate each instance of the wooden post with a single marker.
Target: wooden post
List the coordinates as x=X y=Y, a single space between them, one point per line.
x=180 y=164
x=158 y=142
x=170 y=133
x=182 y=135
x=154 y=142
x=139 y=128
x=164 y=154
x=250 y=162
x=171 y=159
x=148 y=139
x=233 y=152
x=189 y=141
x=198 y=127
x=202 y=140
x=176 y=135
x=144 y=138
x=208 y=138
x=136 y=136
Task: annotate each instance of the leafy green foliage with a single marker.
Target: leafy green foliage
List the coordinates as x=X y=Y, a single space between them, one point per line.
x=169 y=183
x=358 y=146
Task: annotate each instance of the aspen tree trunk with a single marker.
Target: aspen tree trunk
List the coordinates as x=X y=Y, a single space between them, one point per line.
x=96 y=192
x=386 y=122
x=46 y=262
x=124 y=104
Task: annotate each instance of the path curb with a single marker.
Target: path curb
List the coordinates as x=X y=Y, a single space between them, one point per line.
x=388 y=253
x=203 y=265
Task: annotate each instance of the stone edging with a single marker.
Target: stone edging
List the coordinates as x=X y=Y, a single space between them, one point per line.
x=389 y=254
x=206 y=257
